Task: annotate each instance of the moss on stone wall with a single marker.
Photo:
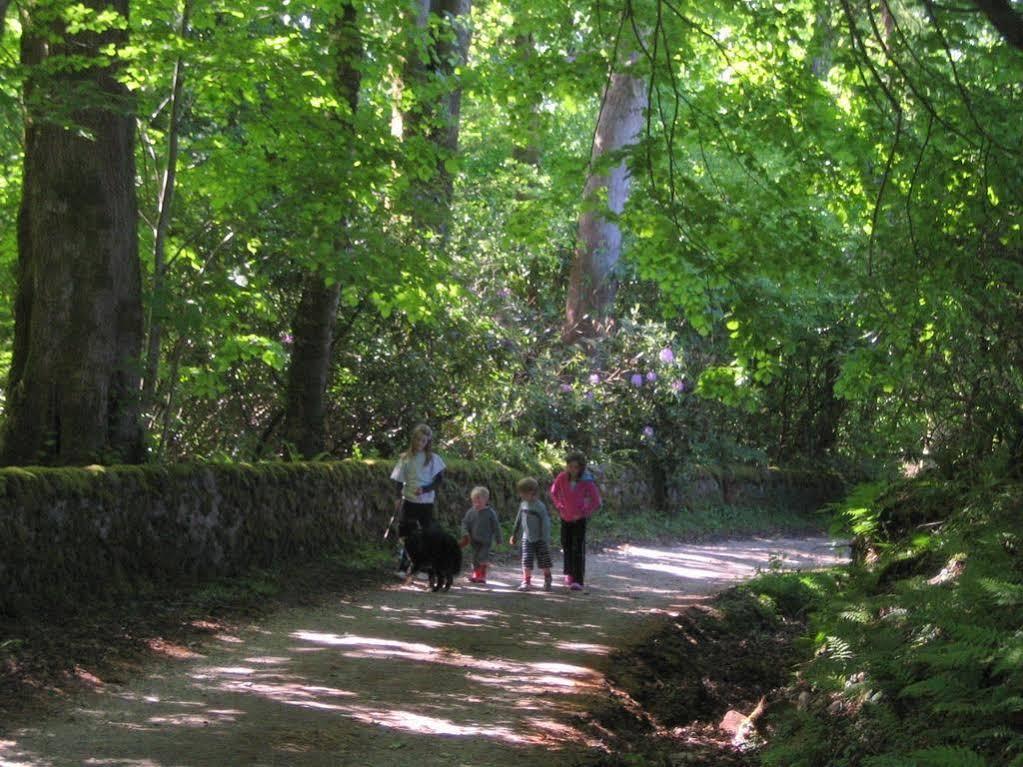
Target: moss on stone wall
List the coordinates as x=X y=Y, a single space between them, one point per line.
x=74 y=534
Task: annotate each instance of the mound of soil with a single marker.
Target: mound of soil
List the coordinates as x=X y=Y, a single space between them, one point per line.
x=670 y=690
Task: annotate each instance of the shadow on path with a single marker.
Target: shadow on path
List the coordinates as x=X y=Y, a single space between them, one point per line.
x=399 y=675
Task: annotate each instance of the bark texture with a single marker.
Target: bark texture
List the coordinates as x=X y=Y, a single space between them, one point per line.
x=316 y=315
x=72 y=395
x=437 y=103
x=1005 y=18
x=592 y=282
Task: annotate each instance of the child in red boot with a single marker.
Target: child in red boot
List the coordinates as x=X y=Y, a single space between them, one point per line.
x=480 y=529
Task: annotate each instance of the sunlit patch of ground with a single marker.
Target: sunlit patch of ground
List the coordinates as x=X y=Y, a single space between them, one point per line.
x=480 y=674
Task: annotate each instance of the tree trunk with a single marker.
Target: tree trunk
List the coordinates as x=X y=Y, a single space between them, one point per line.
x=1006 y=19
x=592 y=283
x=165 y=205
x=3 y=15
x=435 y=114
x=312 y=331
x=316 y=315
x=73 y=391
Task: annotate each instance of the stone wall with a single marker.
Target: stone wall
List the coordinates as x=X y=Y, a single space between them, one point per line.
x=68 y=535
x=627 y=487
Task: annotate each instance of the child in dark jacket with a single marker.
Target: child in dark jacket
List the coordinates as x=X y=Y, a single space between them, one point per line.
x=480 y=529
x=534 y=524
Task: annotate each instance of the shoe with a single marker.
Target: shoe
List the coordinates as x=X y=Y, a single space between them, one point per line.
x=576 y=586
x=524 y=586
x=568 y=580
x=547 y=583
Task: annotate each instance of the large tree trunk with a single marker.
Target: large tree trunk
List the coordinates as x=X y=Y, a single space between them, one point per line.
x=592 y=283
x=316 y=315
x=437 y=104
x=73 y=388
x=1005 y=18
x=3 y=15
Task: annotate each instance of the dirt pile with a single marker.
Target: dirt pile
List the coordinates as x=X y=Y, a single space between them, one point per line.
x=670 y=690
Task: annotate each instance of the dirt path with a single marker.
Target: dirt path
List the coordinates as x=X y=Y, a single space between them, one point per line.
x=399 y=676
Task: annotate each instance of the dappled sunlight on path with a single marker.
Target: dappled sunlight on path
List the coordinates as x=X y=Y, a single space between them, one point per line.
x=396 y=674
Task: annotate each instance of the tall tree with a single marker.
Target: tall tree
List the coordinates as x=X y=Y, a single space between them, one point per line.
x=316 y=315
x=592 y=283
x=73 y=388
x=437 y=51
x=1005 y=18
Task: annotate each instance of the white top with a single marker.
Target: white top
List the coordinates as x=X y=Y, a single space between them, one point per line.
x=414 y=472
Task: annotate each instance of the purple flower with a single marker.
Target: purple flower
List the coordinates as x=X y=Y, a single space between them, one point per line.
x=648 y=432
x=566 y=388
x=287 y=339
x=667 y=356
x=504 y=293
x=678 y=385
x=651 y=376
x=588 y=395
x=594 y=379
x=636 y=380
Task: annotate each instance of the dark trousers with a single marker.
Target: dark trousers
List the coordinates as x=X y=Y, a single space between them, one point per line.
x=573 y=542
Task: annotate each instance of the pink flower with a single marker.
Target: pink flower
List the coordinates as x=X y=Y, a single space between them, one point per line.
x=594 y=379
x=287 y=339
x=566 y=388
x=651 y=376
x=678 y=385
x=667 y=356
x=648 y=432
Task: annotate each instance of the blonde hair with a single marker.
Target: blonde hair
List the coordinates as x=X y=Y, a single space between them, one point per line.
x=421 y=430
x=480 y=492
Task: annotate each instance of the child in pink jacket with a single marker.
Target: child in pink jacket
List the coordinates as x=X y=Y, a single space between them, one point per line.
x=576 y=497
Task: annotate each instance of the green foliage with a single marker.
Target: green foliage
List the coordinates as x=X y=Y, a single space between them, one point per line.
x=918 y=654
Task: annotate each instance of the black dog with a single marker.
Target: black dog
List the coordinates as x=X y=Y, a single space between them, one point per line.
x=435 y=551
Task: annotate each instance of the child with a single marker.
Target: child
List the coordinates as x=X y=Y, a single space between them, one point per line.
x=418 y=473
x=576 y=497
x=535 y=525
x=480 y=528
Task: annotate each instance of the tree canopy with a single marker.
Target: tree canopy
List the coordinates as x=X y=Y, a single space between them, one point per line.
x=820 y=252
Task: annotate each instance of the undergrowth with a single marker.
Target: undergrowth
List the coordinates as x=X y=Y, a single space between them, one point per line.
x=919 y=651
x=716 y=522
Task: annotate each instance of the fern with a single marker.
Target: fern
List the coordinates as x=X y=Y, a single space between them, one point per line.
x=1004 y=594
x=945 y=756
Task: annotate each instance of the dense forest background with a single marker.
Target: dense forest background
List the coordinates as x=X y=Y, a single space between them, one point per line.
x=355 y=216
x=671 y=233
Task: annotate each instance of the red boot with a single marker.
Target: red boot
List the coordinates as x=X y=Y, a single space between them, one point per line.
x=482 y=574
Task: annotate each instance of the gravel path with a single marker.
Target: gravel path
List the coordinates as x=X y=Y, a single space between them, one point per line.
x=398 y=676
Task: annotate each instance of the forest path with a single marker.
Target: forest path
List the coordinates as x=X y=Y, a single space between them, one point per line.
x=398 y=676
